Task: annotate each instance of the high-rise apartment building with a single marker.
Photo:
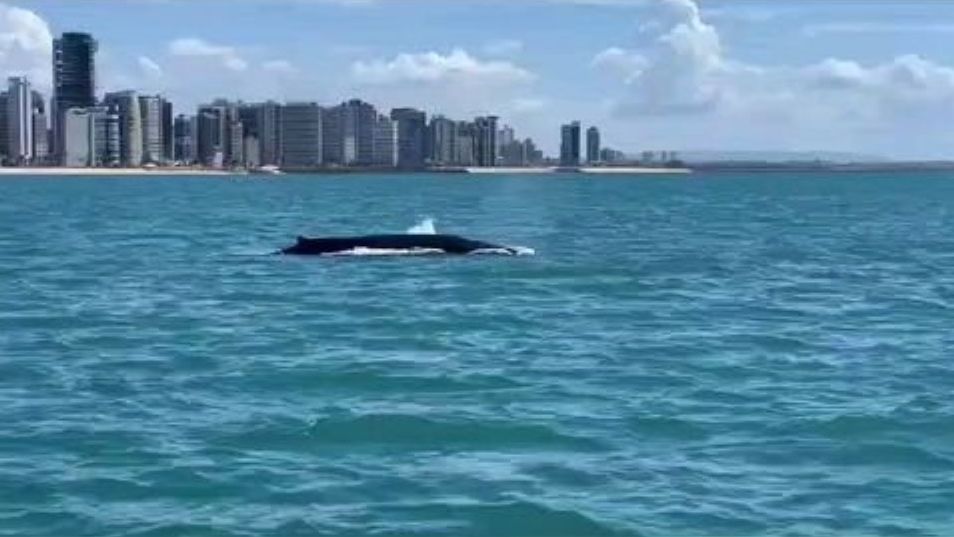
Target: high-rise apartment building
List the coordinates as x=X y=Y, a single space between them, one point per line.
x=236 y=144
x=442 y=136
x=19 y=121
x=4 y=127
x=41 y=130
x=465 y=144
x=302 y=136
x=168 y=135
x=184 y=134
x=360 y=119
x=210 y=137
x=126 y=106
x=90 y=137
x=505 y=137
x=486 y=141
x=74 y=78
x=150 y=110
x=348 y=134
x=570 y=144
x=218 y=126
x=412 y=136
x=592 y=145
x=270 y=133
x=386 y=143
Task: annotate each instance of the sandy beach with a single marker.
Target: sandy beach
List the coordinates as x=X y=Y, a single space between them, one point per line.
x=195 y=172
x=629 y=170
x=113 y=172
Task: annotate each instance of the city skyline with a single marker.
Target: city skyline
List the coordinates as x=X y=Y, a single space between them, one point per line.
x=870 y=79
x=129 y=129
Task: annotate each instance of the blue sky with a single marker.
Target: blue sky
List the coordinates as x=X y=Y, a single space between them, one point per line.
x=873 y=77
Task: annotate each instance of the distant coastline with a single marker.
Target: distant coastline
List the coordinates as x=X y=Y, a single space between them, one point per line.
x=702 y=167
x=177 y=171
x=112 y=172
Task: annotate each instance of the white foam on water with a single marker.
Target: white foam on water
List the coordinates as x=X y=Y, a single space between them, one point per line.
x=424 y=227
x=509 y=250
x=385 y=252
x=523 y=250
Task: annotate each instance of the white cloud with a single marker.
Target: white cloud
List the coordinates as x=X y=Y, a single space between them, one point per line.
x=456 y=83
x=676 y=74
x=191 y=71
x=149 y=67
x=625 y=64
x=25 y=45
x=906 y=79
x=199 y=48
x=434 y=67
x=684 y=90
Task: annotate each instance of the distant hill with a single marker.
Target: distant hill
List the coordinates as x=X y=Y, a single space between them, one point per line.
x=779 y=156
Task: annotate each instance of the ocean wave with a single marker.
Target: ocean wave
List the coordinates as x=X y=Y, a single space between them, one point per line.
x=409 y=430
x=513 y=517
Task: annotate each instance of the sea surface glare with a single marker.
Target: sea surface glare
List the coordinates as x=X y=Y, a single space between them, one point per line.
x=722 y=355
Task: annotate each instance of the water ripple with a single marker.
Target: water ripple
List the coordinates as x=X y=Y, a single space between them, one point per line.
x=730 y=355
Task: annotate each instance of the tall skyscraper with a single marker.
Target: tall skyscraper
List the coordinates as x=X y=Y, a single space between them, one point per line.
x=360 y=119
x=150 y=110
x=236 y=144
x=126 y=105
x=4 y=128
x=76 y=138
x=332 y=135
x=184 y=135
x=412 y=135
x=270 y=133
x=112 y=151
x=210 y=137
x=222 y=145
x=443 y=138
x=348 y=134
x=19 y=121
x=302 y=136
x=570 y=144
x=385 y=142
x=505 y=137
x=486 y=141
x=465 y=144
x=41 y=130
x=592 y=145
x=74 y=78
x=251 y=152
x=168 y=136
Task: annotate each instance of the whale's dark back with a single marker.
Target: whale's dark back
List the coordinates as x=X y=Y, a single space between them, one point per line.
x=451 y=244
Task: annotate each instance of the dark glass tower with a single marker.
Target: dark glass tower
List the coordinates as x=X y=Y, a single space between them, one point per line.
x=74 y=78
x=570 y=144
x=412 y=135
x=592 y=145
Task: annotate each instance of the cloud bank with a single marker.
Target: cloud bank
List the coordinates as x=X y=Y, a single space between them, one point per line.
x=685 y=76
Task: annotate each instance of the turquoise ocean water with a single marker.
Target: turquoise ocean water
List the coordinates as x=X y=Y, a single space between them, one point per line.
x=710 y=355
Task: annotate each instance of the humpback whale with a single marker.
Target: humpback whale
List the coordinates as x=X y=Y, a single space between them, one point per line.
x=406 y=244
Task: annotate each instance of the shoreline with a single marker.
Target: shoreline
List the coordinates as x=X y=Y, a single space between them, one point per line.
x=114 y=172
x=585 y=170
x=201 y=172
x=704 y=168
